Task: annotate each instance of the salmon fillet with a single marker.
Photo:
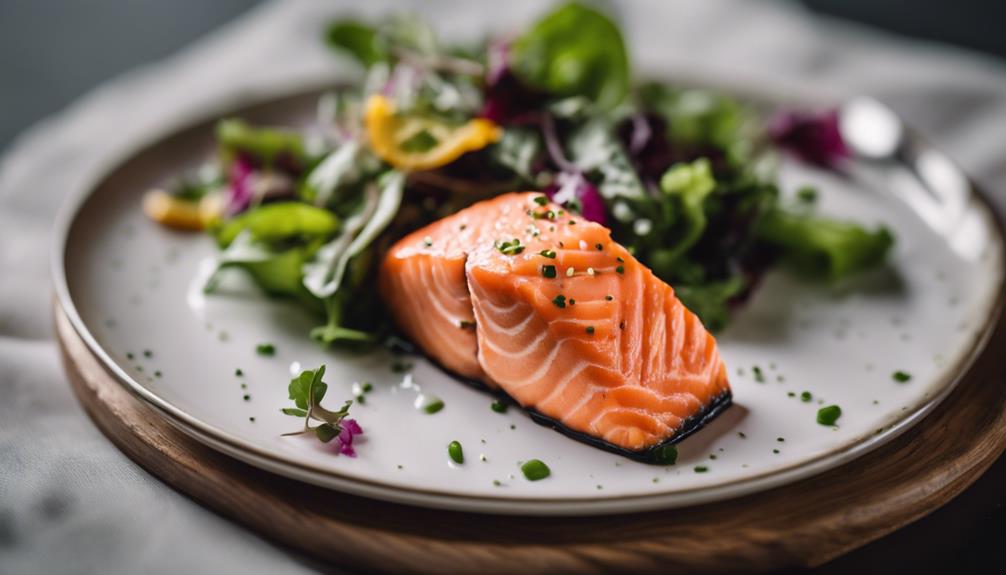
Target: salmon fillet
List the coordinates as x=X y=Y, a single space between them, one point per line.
x=566 y=322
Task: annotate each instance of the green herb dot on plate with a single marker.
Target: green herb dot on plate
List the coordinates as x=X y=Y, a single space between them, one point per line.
x=368 y=387
x=701 y=469
x=535 y=470
x=806 y=396
x=266 y=349
x=433 y=406
x=455 y=452
x=901 y=376
x=238 y=372
x=498 y=406
x=829 y=415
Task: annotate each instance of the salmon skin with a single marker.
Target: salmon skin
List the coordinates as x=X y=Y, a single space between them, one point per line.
x=541 y=305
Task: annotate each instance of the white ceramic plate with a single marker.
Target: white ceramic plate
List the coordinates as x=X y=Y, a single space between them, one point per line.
x=126 y=284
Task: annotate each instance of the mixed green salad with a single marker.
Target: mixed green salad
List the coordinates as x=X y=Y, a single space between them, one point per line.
x=683 y=177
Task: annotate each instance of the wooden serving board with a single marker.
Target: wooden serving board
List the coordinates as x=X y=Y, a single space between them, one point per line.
x=802 y=524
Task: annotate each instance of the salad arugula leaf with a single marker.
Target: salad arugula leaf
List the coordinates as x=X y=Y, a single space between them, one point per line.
x=575 y=51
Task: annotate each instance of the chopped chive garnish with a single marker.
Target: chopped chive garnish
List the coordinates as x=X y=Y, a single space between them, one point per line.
x=901 y=376
x=829 y=415
x=368 y=387
x=247 y=397
x=806 y=396
x=776 y=451
x=535 y=470
x=599 y=247
x=620 y=260
x=547 y=253
x=147 y=353
x=572 y=301
x=129 y=355
x=620 y=269
x=559 y=300
x=609 y=297
x=466 y=324
x=590 y=330
x=455 y=452
x=238 y=372
x=498 y=406
x=540 y=200
x=790 y=394
x=510 y=248
x=265 y=349
x=758 y=375
x=780 y=439
x=157 y=373
x=548 y=271
x=701 y=469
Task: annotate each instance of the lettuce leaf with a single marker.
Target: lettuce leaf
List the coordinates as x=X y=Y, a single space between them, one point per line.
x=824 y=247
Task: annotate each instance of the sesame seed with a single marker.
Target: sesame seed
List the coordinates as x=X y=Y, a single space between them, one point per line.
x=569 y=272
x=590 y=271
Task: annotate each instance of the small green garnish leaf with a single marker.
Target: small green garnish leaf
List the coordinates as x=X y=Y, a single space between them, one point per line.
x=590 y=330
x=828 y=415
x=620 y=269
x=806 y=397
x=266 y=349
x=547 y=253
x=498 y=406
x=701 y=469
x=548 y=271
x=307 y=390
x=326 y=432
x=455 y=452
x=368 y=387
x=308 y=386
x=535 y=470
x=559 y=301
x=541 y=200
x=901 y=376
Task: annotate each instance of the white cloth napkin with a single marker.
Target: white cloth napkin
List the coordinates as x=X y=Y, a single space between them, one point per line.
x=71 y=503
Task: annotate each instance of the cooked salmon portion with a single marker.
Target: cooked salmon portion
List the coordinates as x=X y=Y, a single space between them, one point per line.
x=543 y=305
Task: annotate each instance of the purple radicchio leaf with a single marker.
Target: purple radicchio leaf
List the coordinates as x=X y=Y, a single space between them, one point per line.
x=573 y=186
x=812 y=136
x=239 y=192
x=350 y=429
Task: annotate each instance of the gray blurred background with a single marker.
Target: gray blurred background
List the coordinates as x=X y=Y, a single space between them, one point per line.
x=52 y=51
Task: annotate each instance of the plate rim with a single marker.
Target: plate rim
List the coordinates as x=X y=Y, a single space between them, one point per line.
x=288 y=466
